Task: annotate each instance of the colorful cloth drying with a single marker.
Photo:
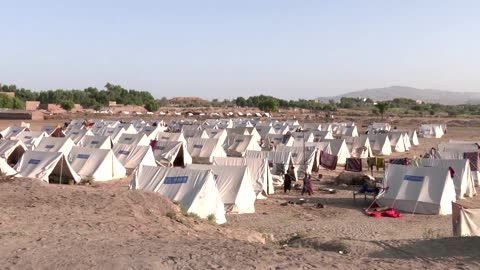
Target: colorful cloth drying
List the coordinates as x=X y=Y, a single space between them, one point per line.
x=379 y=163
x=400 y=161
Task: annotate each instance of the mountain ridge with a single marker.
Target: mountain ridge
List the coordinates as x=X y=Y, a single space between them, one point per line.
x=425 y=95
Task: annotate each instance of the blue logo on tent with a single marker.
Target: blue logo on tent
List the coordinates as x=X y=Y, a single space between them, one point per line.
x=160 y=147
x=414 y=178
x=123 y=152
x=75 y=133
x=128 y=139
x=50 y=146
x=165 y=138
x=94 y=142
x=175 y=180
x=34 y=161
x=83 y=156
x=197 y=146
x=28 y=137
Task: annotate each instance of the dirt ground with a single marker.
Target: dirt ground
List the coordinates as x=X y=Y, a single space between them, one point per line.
x=106 y=226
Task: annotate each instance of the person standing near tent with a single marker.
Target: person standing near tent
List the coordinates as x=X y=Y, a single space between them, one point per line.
x=287 y=183
x=307 y=188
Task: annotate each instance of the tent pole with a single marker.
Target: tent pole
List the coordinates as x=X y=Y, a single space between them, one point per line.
x=304 y=155
x=61 y=169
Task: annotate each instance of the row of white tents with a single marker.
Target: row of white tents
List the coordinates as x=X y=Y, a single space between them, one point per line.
x=227 y=164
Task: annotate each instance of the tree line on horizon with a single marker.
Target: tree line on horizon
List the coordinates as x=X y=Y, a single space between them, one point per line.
x=94 y=98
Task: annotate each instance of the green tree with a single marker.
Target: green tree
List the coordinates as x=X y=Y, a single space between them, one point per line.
x=268 y=105
x=382 y=107
x=151 y=106
x=241 y=102
x=67 y=105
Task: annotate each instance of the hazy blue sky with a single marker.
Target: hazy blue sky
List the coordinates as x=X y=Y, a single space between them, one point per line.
x=223 y=48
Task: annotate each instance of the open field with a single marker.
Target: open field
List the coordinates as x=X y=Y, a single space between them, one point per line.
x=106 y=226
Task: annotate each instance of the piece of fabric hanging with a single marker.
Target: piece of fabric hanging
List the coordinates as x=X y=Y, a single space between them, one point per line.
x=353 y=165
x=328 y=161
x=379 y=163
x=473 y=158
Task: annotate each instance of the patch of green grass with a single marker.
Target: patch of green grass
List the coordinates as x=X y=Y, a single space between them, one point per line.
x=212 y=219
x=175 y=217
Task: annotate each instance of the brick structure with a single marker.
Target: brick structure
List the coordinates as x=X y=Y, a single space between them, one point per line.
x=32 y=105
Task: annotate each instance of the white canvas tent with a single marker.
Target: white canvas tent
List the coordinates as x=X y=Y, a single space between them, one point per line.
x=359 y=147
x=77 y=135
x=259 y=170
x=53 y=144
x=134 y=139
x=195 y=190
x=113 y=132
x=279 y=139
x=279 y=163
x=380 y=144
x=31 y=139
x=151 y=131
x=319 y=146
x=220 y=134
x=237 y=145
x=413 y=138
x=466 y=220
x=46 y=166
x=303 y=159
x=171 y=153
x=10 y=153
x=340 y=149
x=132 y=156
x=302 y=136
x=459 y=155
x=397 y=142
x=174 y=137
x=463 y=179
x=321 y=135
x=430 y=131
x=12 y=132
x=204 y=150
x=235 y=186
x=98 y=142
x=423 y=190
x=95 y=164
x=457 y=147
x=194 y=133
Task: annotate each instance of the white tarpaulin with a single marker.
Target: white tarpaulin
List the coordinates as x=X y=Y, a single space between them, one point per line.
x=195 y=190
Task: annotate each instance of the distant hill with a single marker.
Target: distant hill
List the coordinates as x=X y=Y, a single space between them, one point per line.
x=426 y=95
